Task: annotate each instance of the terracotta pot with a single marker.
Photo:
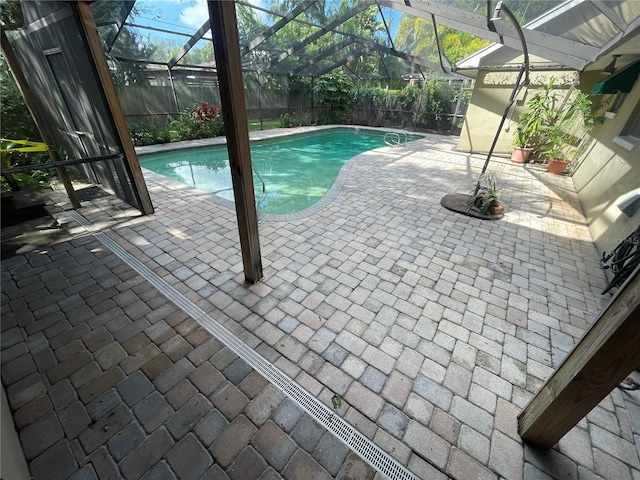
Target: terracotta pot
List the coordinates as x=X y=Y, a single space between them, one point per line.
x=496 y=209
x=557 y=166
x=521 y=155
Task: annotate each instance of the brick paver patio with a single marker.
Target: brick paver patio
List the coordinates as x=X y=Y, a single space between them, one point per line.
x=107 y=379
x=434 y=328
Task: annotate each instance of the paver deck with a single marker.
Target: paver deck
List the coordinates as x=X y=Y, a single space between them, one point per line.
x=107 y=379
x=434 y=328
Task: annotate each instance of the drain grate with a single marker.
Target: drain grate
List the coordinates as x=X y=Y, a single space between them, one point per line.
x=352 y=438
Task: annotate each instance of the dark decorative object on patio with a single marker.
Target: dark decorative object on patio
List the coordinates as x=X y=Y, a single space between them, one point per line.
x=455 y=202
x=463 y=203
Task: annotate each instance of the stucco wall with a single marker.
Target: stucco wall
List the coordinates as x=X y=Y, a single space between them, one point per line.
x=608 y=174
x=484 y=112
x=488 y=101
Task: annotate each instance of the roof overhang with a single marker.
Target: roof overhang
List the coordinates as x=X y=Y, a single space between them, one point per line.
x=600 y=27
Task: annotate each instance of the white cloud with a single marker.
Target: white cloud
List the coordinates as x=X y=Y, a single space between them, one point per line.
x=196 y=14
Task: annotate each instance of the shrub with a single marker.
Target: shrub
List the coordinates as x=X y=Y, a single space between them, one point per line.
x=201 y=121
x=38 y=180
x=335 y=91
x=149 y=134
x=293 y=120
x=371 y=98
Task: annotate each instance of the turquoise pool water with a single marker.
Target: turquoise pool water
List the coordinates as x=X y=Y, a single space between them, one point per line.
x=297 y=170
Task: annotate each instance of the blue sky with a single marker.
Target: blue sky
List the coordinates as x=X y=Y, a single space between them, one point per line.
x=187 y=16
x=183 y=16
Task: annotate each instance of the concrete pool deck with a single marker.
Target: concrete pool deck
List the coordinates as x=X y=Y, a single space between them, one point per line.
x=434 y=329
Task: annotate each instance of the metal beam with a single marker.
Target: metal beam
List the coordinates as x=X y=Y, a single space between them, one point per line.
x=125 y=10
x=386 y=27
x=60 y=163
x=567 y=52
x=276 y=26
x=441 y=55
x=355 y=38
x=322 y=55
x=373 y=46
x=226 y=45
x=156 y=29
x=322 y=31
x=396 y=53
x=561 y=9
x=631 y=29
x=258 y=8
x=384 y=66
x=339 y=63
x=616 y=19
x=190 y=43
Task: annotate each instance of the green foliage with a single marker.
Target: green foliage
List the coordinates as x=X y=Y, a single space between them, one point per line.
x=199 y=54
x=293 y=120
x=429 y=104
x=522 y=137
x=336 y=91
x=201 y=121
x=265 y=125
x=433 y=101
x=409 y=97
x=250 y=25
x=149 y=134
x=417 y=36
x=273 y=83
x=16 y=121
x=11 y=14
x=129 y=45
x=458 y=45
x=548 y=123
x=489 y=194
x=371 y=97
x=188 y=128
x=300 y=85
x=532 y=120
x=38 y=180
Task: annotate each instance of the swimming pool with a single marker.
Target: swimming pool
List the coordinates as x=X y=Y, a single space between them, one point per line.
x=297 y=170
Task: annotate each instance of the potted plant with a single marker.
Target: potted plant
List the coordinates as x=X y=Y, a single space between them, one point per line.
x=530 y=124
x=487 y=199
x=521 y=150
x=548 y=124
x=557 y=137
x=555 y=143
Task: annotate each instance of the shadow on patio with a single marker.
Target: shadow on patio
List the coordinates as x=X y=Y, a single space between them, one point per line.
x=433 y=329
